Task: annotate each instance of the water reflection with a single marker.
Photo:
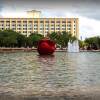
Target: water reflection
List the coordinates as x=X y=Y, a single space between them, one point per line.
x=58 y=74
x=46 y=60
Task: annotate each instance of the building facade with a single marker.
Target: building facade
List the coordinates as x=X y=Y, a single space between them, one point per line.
x=43 y=26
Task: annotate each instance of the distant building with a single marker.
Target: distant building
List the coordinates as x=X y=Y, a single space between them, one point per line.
x=34 y=23
x=33 y=14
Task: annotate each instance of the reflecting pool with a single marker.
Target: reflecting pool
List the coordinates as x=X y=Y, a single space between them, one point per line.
x=28 y=74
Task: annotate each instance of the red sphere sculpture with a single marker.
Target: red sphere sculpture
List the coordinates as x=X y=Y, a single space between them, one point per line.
x=46 y=47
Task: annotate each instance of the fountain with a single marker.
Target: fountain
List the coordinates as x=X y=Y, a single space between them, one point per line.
x=73 y=46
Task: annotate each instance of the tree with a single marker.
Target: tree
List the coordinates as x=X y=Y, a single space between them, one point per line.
x=21 y=40
x=29 y=42
x=53 y=36
x=62 y=38
x=35 y=38
x=10 y=38
x=93 y=42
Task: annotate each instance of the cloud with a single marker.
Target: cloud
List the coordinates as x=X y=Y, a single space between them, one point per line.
x=87 y=8
x=89 y=27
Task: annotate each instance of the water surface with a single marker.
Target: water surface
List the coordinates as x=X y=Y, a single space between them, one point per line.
x=27 y=73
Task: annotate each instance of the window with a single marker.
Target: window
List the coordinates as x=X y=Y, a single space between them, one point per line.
x=52 y=25
x=30 y=21
x=13 y=25
x=18 y=21
x=24 y=21
x=19 y=25
x=41 y=28
x=57 y=28
x=41 y=25
x=63 y=25
x=30 y=25
x=35 y=21
x=69 y=25
x=46 y=28
x=30 y=28
x=69 y=28
x=52 y=22
x=35 y=25
x=68 y=21
x=47 y=22
x=41 y=21
x=1 y=21
x=13 y=28
x=57 y=25
x=24 y=28
x=7 y=25
x=13 y=21
x=63 y=21
x=25 y=25
x=57 y=21
x=52 y=28
x=46 y=25
x=1 y=24
x=63 y=28
x=18 y=28
x=24 y=31
x=7 y=21
x=29 y=32
x=35 y=28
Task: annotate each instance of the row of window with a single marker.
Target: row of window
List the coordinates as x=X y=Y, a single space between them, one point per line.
x=37 y=26
x=37 y=29
x=40 y=31
x=14 y=22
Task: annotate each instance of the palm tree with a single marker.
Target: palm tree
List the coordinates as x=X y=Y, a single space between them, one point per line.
x=62 y=38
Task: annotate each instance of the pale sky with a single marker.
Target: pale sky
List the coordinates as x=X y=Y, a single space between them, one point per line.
x=88 y=11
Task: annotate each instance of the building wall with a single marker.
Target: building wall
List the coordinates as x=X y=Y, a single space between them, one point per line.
x=43 y=26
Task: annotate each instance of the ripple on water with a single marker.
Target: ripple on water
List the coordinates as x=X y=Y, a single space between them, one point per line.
x=24 y=71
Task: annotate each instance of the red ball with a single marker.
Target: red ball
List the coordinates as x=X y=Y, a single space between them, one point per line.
x=46 y=47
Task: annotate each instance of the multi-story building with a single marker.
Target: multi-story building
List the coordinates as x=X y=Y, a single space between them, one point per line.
x=43 y=26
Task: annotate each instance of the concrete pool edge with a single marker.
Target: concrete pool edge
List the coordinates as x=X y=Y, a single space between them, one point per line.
x=35 y=50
